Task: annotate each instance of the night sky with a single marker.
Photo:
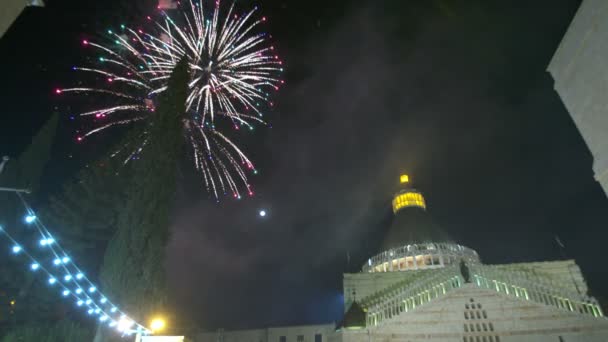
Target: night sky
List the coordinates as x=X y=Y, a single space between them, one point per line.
x=453 y=92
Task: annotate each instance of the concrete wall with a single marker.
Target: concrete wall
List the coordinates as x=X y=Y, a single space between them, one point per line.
x=580 y=70
x=291 y=334
x=366 y=284
x=565 y=272
x=9 y=11
x=502 y=319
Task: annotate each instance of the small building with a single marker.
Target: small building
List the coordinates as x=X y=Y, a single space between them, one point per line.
x=580 y=71
x=423 y=286
x=10 y=10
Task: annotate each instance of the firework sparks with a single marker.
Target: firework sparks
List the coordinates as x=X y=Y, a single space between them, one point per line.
x=232 y=70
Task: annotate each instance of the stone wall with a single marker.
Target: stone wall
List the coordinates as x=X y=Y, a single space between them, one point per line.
x=580 y=70
x=9 y=11
x=302 y=333
x=472 y=314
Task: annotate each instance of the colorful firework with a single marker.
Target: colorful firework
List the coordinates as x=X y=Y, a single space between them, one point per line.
x=232 y=70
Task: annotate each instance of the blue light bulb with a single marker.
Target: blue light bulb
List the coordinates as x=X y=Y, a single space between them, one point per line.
x=78 y=291
x=65 y=260
x=52 y=280
x=29 y=219
x=92 y=289
x=16 y=249
x=80 y=302
x=88 y=301
x=67 y=277
x=65 y=293
x=34 y=266
x=57 y=261
x=79 y=276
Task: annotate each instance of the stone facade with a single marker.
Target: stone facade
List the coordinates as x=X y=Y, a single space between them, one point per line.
x=538 y=301
x=417 y=290
x=10 y=10
x=303 y=333
x=580 y=70
x=473 y=314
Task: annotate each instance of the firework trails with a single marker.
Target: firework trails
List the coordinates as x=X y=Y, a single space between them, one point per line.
x=232 y=69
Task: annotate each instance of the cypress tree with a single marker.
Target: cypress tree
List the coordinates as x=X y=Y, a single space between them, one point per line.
x=15 y=281
x=133 y=268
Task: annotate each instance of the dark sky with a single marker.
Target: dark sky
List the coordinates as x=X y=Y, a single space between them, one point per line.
x=453 y=92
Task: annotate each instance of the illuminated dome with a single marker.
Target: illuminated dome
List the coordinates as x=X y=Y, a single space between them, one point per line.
x=414 y=241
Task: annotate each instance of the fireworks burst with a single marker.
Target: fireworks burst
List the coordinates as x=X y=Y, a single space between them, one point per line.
x=232 y=70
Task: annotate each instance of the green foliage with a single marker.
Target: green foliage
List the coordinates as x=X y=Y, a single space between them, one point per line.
x=63 y=331
x=25 y=172
x=84 y=215
x=133 y=270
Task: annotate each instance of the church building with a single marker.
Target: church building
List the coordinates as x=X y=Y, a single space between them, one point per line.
x=423 y=286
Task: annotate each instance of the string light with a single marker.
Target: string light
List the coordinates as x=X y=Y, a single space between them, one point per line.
x=30 y=219
x=73 y=275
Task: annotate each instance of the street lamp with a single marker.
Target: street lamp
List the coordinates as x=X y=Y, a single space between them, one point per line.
x=157 y=324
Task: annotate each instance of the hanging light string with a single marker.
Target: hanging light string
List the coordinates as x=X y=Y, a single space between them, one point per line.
x=64 y=274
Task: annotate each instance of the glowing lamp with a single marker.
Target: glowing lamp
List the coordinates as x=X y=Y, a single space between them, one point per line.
x=124 y=324
x=65 y=260
x=17 y=249
x=79 y=276
x=157 y=324
x=34 y=266
x=57 y=261
x=30 y=219
x=78 y=291
x=404 y=179
x=92 y=289
x=67 y=277
x=263 y=213
x=66 y=293
x=52 y=280
x=80 y=302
